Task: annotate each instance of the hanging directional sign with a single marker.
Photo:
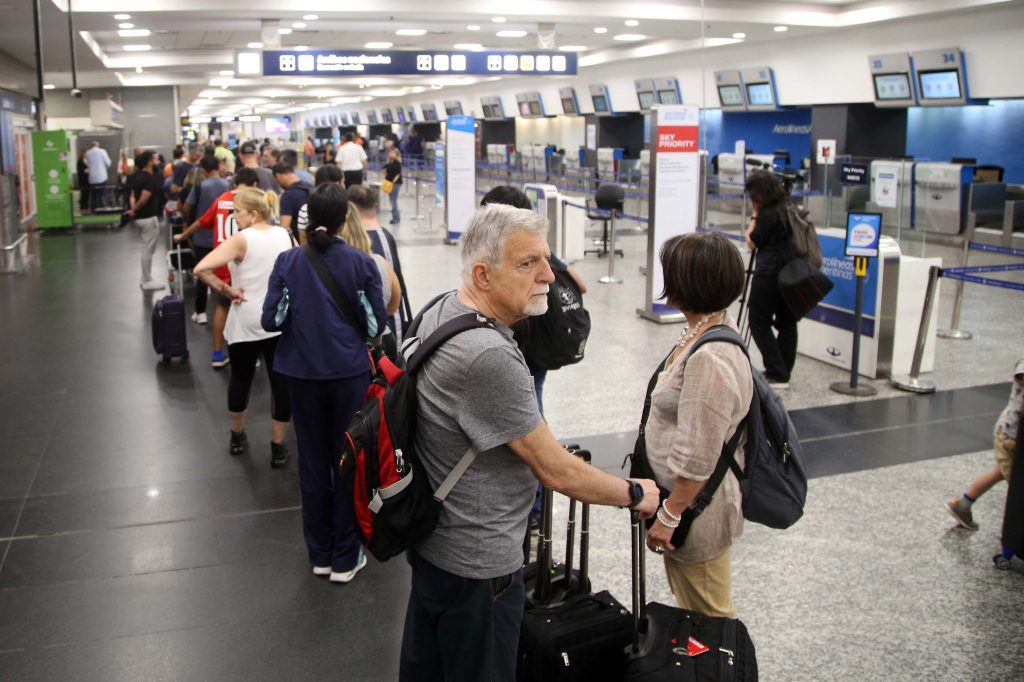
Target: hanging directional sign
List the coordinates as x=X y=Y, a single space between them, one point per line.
x=406 y=62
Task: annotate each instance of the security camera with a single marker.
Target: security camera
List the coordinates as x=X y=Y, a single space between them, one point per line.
x=75 y=92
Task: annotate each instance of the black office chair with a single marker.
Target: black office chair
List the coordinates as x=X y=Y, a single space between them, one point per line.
x=609 y=197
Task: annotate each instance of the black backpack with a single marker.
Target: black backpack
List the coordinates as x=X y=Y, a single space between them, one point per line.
x=773 y=481
x=559 y=337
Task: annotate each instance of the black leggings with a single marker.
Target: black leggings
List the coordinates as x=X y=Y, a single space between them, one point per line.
x=243 y=368
x=768 y=310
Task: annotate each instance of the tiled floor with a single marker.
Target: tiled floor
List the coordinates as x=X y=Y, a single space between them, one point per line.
x=133 y=547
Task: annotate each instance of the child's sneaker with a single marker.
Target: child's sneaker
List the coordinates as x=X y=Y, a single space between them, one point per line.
x=962 y=513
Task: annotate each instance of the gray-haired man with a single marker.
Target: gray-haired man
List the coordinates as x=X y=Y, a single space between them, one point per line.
x=466 y=604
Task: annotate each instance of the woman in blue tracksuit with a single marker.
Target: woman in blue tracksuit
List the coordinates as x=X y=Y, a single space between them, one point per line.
x=328 y=367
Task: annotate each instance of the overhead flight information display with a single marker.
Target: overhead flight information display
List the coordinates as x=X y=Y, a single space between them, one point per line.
x=405 y=63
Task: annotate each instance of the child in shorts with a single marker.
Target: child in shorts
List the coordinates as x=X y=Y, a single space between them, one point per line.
x=1004 y=440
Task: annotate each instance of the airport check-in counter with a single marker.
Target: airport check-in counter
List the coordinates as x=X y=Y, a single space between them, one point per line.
x=899 y=215
x=497 y=155
x=995 y=214
x=535 y=161
x=731 y=173
x=565 y=240
x=894 y=293
x=939 y=197
x=608 y=162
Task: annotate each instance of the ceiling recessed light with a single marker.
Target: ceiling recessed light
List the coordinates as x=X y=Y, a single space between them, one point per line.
x=498 y=20
x=138 y=47
x=781 y=29
x=472 y=27
x=410 y=32
x=122 y=17
x=474 y=47
x=632 y=22
x=138 y=69
x=629 y=37
x=378 y=46
x=284 y=31
x=310 y=17
x=126 y=25
x=510 y=34
x=739 y=36
x=299 y=24
x=600 y=29
x=255 y=46
x=134 y=33
x=573 y=48
x=49 y=86
x=227 y=73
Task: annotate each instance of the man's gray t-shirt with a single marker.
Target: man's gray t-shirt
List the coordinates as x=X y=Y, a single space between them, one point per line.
x=476 y=391
x=207 y=193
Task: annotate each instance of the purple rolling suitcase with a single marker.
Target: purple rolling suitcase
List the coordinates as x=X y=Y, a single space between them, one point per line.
x=170 y=338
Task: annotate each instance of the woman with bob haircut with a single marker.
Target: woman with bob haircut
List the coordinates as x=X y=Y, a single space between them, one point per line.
x=697 y=405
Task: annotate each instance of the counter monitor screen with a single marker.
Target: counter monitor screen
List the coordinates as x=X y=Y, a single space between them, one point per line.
x=401 y=115
x=488 y=112
x=647 y=99
x=892 y=86
x=730 y=95
x=668 y=97
x=940 y=84
x=760 y=95
x=568 y=105
x=277 y=126
x=600 y=104
x=535 y=108
x=524 y=108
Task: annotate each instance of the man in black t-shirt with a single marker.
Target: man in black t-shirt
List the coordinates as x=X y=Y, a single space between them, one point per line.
x=145 y=212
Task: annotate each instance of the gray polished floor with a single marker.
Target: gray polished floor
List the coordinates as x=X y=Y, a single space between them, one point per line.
x=133 y=547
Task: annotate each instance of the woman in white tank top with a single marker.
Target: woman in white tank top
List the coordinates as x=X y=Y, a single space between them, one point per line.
x=250 y=256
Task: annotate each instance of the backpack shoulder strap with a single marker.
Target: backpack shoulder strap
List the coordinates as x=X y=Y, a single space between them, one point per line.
x=414 y=326
x=442 y=334
x=719 y=332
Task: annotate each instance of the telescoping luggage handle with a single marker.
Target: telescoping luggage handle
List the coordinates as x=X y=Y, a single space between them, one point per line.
x=542 y=590
x=639 y=571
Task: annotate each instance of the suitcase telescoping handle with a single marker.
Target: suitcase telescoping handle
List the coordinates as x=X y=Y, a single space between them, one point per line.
x=639 y=571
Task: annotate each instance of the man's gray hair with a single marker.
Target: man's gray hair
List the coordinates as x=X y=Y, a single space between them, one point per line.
x=484 y=238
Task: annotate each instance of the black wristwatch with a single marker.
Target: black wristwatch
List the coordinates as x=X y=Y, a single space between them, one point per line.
x=636 y=493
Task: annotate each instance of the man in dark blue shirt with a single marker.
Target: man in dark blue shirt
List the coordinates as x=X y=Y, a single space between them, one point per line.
x=296 y=192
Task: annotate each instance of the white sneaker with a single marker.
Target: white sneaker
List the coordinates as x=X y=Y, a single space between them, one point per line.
x=152 y=285
x=199 y=318
x=346 y=576
x=321 y=570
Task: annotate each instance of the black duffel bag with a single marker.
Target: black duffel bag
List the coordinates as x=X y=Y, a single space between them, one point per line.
x=802 y=286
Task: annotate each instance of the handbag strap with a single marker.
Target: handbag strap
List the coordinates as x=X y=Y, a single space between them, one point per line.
x=332 y=287
x=726 y=461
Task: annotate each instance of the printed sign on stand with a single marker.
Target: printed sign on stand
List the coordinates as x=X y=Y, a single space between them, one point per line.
x=863 y=232
x=826 y=151
x=674 y=193
x=853 y=173
x=460 y=174
x=884 y=190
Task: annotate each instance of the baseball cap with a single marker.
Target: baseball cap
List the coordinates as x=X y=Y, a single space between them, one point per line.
x=247 y=148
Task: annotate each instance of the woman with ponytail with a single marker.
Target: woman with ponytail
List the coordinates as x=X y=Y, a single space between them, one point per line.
x=249 y=256
x=323 y=353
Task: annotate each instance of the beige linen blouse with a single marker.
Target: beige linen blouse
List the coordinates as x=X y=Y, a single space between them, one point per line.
x=696 y=407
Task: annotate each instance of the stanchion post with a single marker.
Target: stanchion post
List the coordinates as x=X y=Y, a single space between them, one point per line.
x=610 y=277
x=911 y=382
x=852 y=388
x=954 y=331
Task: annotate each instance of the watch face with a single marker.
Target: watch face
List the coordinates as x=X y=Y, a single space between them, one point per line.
x=637 y=492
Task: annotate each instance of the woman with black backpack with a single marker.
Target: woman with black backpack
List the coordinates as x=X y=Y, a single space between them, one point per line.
x=769 y=234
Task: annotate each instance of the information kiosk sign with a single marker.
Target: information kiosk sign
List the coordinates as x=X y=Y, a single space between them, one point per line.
x=53 y=200
x=674 y=194
x=460 y=174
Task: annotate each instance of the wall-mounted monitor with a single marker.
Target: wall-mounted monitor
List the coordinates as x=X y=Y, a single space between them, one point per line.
x=400 y=113
x=941 y=78
x=601 y=100
x=355 y=118
x=668 y=97
x=386 y=116
x=524 y=108
x=412 y=114
x=529 y=104
x=730 y=95
x=492 y=107
x=535 y=109
x=940 y=84
x=371 y=117
x=429 y=112
x=570 y=104
x=890 y=86
x=647 y=99
x=453 y=107
x=760 y=94
x=759 y=88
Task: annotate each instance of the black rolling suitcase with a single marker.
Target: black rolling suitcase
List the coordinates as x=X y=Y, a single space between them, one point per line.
x=567 y=632
x=673 y=644
x=170 y=336
x=1013 y=516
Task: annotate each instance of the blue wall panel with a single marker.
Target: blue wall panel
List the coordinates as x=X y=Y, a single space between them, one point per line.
x=764 y=131
x=992 y=134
